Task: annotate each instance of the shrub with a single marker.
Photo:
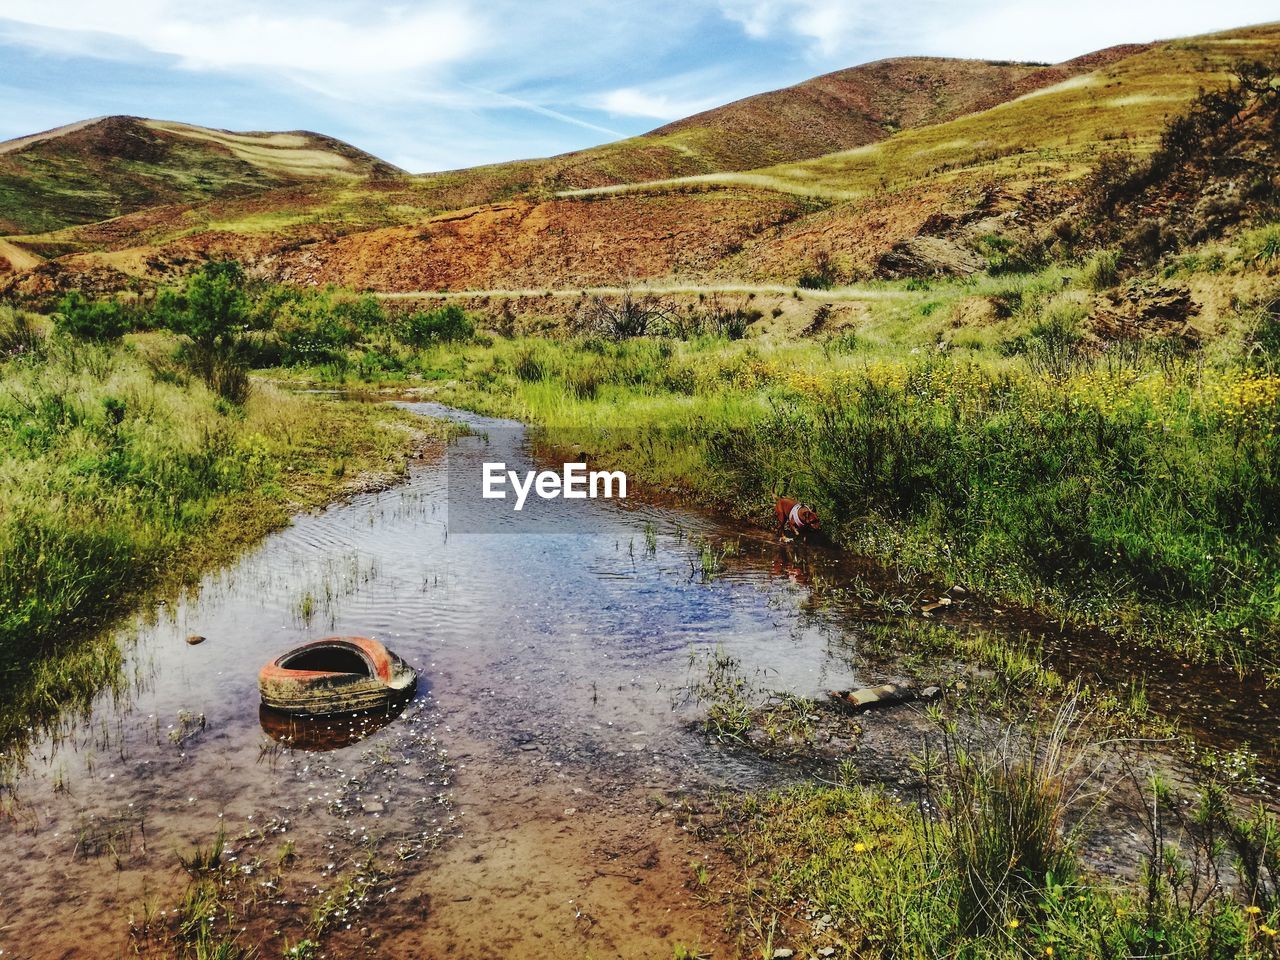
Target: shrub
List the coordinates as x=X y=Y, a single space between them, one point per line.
x=98 y=320
x=1115 y=178
x=631 y=315
x=311 y=332
x=19 y=334
x=1264 y=339
x=445 y=325
x=716 y=320
x=733 y=324
x=1054 y=345
x=213 y=308
x=212 y=312
x=1262 y=246
x=375 y=361
x=844 y=342
x=1003 y=813
x=1102 y=272
x=584 y=382
x=528 y=365
x=1004 y=255
x=821 y=276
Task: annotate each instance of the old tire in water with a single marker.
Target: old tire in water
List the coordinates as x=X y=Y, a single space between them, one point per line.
x=335 y=675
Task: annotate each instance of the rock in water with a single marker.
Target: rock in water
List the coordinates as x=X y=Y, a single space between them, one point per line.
x=195 y=638
x=882 y=696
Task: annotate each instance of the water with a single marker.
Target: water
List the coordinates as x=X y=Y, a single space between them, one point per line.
x=563 y=656
x=519 y=806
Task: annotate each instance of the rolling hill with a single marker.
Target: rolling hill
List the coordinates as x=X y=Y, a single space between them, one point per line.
x=182 y=181
x=837 y=111
x=101 y=168
x=920 y=202
x=919 y=162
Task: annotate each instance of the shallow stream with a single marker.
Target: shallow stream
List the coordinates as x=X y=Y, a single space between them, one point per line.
x=520 y=806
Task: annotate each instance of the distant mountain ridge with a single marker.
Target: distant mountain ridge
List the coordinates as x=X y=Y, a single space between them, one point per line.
x=927 y=163
x=101 y=168
x=836 y=111
x=863 y=104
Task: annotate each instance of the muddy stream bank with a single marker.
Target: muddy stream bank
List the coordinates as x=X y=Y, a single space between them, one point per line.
x=525 y=803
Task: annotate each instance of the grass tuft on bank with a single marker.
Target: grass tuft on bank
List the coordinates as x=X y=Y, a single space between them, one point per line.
x=986 y=864
x=121 y=471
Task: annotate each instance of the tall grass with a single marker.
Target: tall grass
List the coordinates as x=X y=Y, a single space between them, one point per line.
x=119 y=472
x=1143 y=485
x=983 y=867
x=1002 y=813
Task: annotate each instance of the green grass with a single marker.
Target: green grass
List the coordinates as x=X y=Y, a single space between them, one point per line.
x=1056 y=131
x=988 y=862
x=119 y=473
x=852 y=870
x=1145 y=492
x=963 y=430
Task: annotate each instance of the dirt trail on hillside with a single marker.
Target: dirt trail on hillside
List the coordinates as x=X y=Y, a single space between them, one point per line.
x=16 y=258
x=839 y=293
x=18 y=143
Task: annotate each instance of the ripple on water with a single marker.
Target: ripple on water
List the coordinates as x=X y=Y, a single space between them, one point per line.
x=573 y=643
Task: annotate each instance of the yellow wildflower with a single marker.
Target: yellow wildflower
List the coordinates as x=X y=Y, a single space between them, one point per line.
x=859 y=848
x=1253 y=910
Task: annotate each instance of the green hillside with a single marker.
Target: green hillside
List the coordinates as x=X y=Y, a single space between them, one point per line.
x=103 y=168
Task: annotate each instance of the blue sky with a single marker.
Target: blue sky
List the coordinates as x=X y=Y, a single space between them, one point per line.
x=436 y=85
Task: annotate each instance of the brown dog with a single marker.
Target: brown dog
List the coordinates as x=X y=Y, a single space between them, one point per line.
x=795 y=518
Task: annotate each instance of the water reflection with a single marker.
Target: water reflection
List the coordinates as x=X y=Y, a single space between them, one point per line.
x=321 y=734
x=564 y=658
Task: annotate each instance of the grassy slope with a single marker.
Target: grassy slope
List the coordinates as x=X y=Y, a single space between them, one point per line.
x=883 y=192
x=836 y=111
x=840 y=110
x=975 y=465
x=96 y=508
x=1049 y=133
x=119 y=164
x=1054 y=495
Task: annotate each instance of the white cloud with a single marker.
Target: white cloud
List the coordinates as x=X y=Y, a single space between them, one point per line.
x=449 y=82
x=634 y=102
x=1032 y=30
x=349 y=42
x=1013 y=29
x=828 y=27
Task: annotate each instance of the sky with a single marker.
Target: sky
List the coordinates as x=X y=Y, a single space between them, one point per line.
x=442 y=84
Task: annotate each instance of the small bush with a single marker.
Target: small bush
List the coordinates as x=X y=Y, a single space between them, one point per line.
x=528 y=365
x=1264 y=340
x=99 y=320
x=311 y=333
x=821 y=276
x=584 y=382
x=212 y=312
x=1262 y=247
x=1004 y=255
x=844 y=342
x=1003 y=815
x=19 y=335
x=447 y=324
x=1054 y=345
x=631 y=315
x=1115 y=178
x=1102 y=272
x=729 y=322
